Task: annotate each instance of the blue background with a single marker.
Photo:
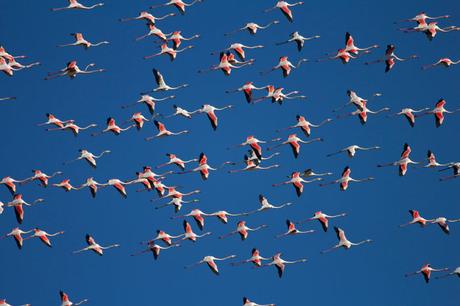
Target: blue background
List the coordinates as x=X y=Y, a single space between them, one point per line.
x=370 y=274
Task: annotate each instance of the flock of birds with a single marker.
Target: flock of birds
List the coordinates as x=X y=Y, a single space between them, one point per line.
x=233 y=57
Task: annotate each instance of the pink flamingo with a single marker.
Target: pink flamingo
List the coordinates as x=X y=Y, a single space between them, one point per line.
x=253 y=27
x=296 y=181
x=280 y=263
x=211 y=262
x=81 y=41
x=243 y=230
x=292 y=230
x=179 y=4
x=163 y=132
x=72 y=70
x=65 y=301
x=95 y=247
x=305 y=125
x=286 y=66
x=323 y=219
x=17 y=233
x=247 y=89
x=391 y=58
x=256 y=259
x=149 y=101
x=403 y=162
x=294 y=142
x=147 y=16
x=298 y=39
x=44 y=236
x=89 y=157
x=426 y=271
x=155 y=249
x=345 y=180
x=285 y=8
x=343 y=241
x=74 y=4
x=171 y=52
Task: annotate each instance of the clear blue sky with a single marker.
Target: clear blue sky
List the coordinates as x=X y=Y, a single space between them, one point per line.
x=371 y=274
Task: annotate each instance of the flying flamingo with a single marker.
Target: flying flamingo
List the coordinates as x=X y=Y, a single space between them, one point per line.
x=44 y=236
x=177 y=202
x=81 y=41
x=118 y=185
x=17 y=233
x=252 y=27
x=403 y=162
x=74 y=4
x=173 y=159
x=74 y=128
x=445 y=62
x=4 y=303
x=346 y=179
x=147 y=16
x=223 y=215
x=211 y=262
x=409 y=114
x=239 y=49
x=284 y=7
x=286 y=66
x=154 y=31
x=9 y=183
x=256 y=259
x=190 y=235
x=455 y=167
x=210 y=111
x=138 y=120
x=203 y=167
x=88 y=156
x=225 y=65
x=173 y=193
x=438 y=111
x=165 y=237
x=247 y=302
x=149 y=101
x=431 y=29
x=364 y=112
x=292 y=230
x=161 y=84
x=163 y=132
x=351 y=150
x=179 y=4
x=455 y=272
x=72 y=70
x=113 y=127
x=18 y=203
x=141 y=180
x=18 y=66
x=277 y=95
x=52 y=120
x=253 y=156
x=280 y=263
x=41 y=177
x=421 y=18
x=432 y=163
x=254 y=144
x=197 y=215
x=298 y=39
x=65 y=301
x=171 y=52
x=305 y=125
x=355 y=100
x=92 y=185
x=243 y=230
x=309 y=173
x=351 y=48
x=444 y=223
x=344 y=56
x=343 y=241
x=426 y=272
x=296 y=180
x=323 y=219
x=6 y=68
x=5 y=54
x=247 y=89
x=253 y=164
x=265 y=205
x=417 y=219
x=391 y=58
x=155 y=249
x=179 y=111
x=95 y=247
x=65 y=184
x=294 y=141
x=177 y=38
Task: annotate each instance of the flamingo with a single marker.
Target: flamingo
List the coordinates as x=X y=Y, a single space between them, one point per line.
x=113 y=127
x=243 y=230
x=444 y=223
x=223 y=215
x=430 y=29
x=65 y=184
x=149 y=101
x=324 y=219
x=296 y=180
x=18 y=66
x=309 y=173
x=92 y=185
x=210 y=111
x=364 y=112
x=9 y=183
x=403 y=162
x=165 y=237
x=141 y=180
x=173 y=159
x=292 y=230
x=256 y=259
x=253 y=164
x=253 y=27
x=179 y=4
x=95 y=247
x=179 y=111
x=5 y=54
x=6 y=68
x=74 y=128
x=41 y=177
x=253 y=156
x=422 y=17
x=177 y=38
x=343 y=241
x=454 y=272
x=445 y=62
x=190 y=235
x=197 y=215
x=285 y=8
x=239 y=49
x=18 y=203
x=171 y=52
x=144 y=15
x=432 y=163
x=254 y=144
x=265 y=205
x=119 y=185
x=426 y=271
x=163 y=132
x=247 y=302
x=74 y=4
x=305 y=125
x=149 y=174
x=177 y=202
x=343 y=55
x=211 y=262
x=4 y=303
x=456 y=169
x=286 y=66
x=391 y=58
x=53 y=120
x=17 y=233
x=355 y=100
x=417 y=219
x=351 y=48
x=173 y=193
x=81 y=41
x=65 y=301
x=44 y=236
x=346 y=179
x=298 y=39
x=88 y=156
x=138 y=120
x=277 y=95
x=280 y=263
x=409 y=114
x=438 y=111
x=161 y=84
x=294 y=141
x=72 y=70
x=351 y=150
x=155 y=249
x=154 y=31
x=247 y=89
x=225 y=65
